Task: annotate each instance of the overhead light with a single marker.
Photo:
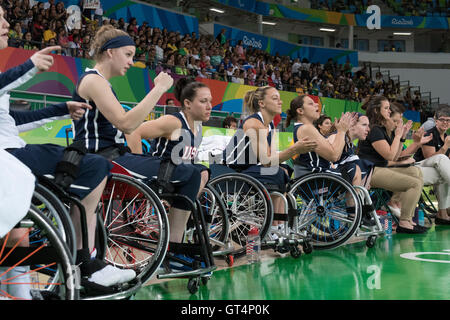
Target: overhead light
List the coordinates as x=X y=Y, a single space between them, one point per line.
x=217 y=10
x=327 y=29
x=402 y=33
x=269 y=23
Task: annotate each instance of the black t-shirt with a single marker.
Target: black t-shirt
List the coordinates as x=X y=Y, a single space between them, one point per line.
x=367 y=151
x=436 y=142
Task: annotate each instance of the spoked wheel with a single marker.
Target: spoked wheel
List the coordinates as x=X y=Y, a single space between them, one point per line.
x=39 y=260
x=329 y=209
x=136 y=225
x=216 y=217
x=248 y=205
x=57 y=213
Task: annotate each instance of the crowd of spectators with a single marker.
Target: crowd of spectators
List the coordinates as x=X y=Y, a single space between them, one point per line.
x=345 y=6
x=420 y=7
x=399 y=7
x=36 y=25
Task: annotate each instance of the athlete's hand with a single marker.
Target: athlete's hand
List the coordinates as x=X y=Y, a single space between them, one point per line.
x=305 y=145
x=77 y=109
x=42 y=59
x=164 y=81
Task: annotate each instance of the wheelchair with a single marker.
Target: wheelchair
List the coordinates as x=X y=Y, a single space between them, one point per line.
x=218 y=224
x=332 y=211
x=135 y=225
x=51 y=265
x=136 y=229
x=196 y=242
x=248 y=203
x=54 y=202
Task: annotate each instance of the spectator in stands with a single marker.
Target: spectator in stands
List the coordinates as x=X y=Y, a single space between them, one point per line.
x=28 y=43
x=230 y=122
x=221 y=37
x=50 y=31
x=433 y=159
x=15 y=35
x=170 y=102
x=381 y=146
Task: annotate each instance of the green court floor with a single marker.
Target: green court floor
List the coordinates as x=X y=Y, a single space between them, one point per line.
x=400 y=267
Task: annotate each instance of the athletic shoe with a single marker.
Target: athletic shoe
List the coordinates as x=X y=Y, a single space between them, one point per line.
x=110 y=275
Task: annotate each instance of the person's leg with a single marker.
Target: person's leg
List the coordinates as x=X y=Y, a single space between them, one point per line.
x=404 y=181
x=433 y=176
x=90 y=203
x=18 y=277
x=442 y=165
x=442 y=192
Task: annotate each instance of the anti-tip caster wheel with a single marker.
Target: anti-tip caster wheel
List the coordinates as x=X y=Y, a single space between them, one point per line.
x=307 y=247
x=192 y=285
x=295 y=252
x=371 y=241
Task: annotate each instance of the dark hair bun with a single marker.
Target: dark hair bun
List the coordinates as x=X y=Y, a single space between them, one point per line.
x=180 y=85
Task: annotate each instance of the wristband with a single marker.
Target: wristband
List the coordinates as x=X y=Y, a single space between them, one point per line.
x=402 y=140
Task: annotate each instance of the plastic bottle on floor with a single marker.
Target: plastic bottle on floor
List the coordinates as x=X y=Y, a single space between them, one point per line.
x=253 y=248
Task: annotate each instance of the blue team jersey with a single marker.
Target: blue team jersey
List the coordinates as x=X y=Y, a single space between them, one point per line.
x=310 y=160
x=94 y=129
x=184 y=148
x=238 y=152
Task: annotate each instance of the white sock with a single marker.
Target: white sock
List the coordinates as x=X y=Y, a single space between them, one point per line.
x=20 y=290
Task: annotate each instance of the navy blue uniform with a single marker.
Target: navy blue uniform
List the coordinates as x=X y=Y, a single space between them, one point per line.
x=239 y=156
x=311 y=161
x=184 y=149
x=97 y=134
x=94 y=129
x=349 y=160
x=42 y=159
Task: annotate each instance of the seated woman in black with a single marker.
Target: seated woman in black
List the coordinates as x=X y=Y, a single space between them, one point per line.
x=252 y=150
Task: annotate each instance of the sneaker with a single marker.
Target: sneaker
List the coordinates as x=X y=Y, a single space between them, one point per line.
x=282 y=229
x=273 y=233
x=109 y=276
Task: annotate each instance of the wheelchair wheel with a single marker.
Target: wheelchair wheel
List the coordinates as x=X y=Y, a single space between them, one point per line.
x=51 y=266
x=247 y=203
x=216 y=217
x=321 y=201
x=136 y=225
x=49 y=204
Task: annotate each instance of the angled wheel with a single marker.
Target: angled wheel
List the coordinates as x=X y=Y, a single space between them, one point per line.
x=136 y=225
x=216 y=217
x=329 y=209
x=49 y=204
x=247 y=203
x=45 y=254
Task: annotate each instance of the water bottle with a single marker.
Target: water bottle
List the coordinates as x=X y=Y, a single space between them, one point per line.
x=421 y=217
x=388 y=229
x=253 y=245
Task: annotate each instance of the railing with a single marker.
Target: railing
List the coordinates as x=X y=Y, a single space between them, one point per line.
x=38 y=101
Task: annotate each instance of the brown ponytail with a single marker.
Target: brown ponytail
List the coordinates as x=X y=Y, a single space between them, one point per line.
x=296 y=103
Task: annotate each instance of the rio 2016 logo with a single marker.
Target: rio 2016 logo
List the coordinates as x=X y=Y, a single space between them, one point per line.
x=374 y=20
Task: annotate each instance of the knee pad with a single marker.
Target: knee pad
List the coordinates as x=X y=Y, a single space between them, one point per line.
x=66 y=170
